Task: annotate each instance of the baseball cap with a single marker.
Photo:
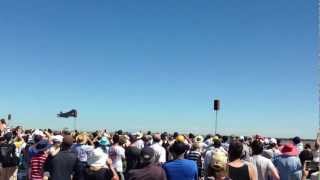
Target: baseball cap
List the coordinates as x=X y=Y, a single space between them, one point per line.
x=147 y=154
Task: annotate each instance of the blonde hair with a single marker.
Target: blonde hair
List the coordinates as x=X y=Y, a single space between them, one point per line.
x=82 y=138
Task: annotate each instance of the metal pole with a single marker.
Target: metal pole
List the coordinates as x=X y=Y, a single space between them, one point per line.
x=216 y=123
x=74 y=124
x=318 y=65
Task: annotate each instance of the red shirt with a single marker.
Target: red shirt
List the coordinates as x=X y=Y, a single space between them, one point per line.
x=37 y=163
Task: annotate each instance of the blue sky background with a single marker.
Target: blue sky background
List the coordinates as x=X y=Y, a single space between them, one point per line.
x=143 y=64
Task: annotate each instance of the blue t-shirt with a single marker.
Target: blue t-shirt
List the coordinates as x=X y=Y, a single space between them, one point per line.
x=289 y=167
x=181 y=169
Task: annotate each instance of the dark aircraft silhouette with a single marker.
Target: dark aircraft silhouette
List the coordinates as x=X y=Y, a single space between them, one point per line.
x=72 y=113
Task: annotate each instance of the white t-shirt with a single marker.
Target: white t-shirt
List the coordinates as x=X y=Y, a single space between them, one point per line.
x=139 y=144
x=263 y=165
x=316 y=155
x=116 y=154
x=160 y=151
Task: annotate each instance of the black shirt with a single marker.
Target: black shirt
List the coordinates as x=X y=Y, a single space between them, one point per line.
x=101 y=174
x=240 y=173
x=61 y=166
x=8 y=156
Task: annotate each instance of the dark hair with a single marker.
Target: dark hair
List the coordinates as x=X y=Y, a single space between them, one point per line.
x=178 y=148
x=296 y=140
x=235 y=150
x=175 y=134
x=224 y=139
x=279 y=142
x=257 y=147
x=216 y=143
x=164 y=135
x=3 y=121
x=191 y=136
x=307 y=146
x=116 y=138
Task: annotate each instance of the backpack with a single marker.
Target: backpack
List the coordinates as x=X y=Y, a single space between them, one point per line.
x=8 y=157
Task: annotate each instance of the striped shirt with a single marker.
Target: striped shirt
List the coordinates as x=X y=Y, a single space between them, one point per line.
x=37 y=163
x=195 y=156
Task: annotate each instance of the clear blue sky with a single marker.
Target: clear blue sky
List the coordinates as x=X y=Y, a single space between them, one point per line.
x=143 y=64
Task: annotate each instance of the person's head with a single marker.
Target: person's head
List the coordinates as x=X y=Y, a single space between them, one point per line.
x=97 y=158
x=216 y=143
x=3 y=121
x=147 y=156
x=116 y=138
x=289 y=150
x=224 y=139
x=82 y=138
x=195 y=146
x=57 y=140
x=156 y=138
x=218 y=165
x=235 y=150
x=119 y=132
x=178 y=149
x=164 y=136
x=307 y=146
x=42 y=146
x=180 y=138
x=67 y=142
x=104 y=141
x=296 y=140
x=191 y=136
x=175 y=135
x=257 y=147
x=279 y=142
x=123 y=139
x=8 y=136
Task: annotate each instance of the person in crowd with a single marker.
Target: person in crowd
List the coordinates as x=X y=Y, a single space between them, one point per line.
x=160 y=152
x=272 y=150
x=288 y=163
x=180 y=168
x=38 y=160
x=225 y=143
x=147 y=139
x=8 y=158
x=63 y=165
x=18 y=140
x=132 y=155
x=195 y=155
x=3 y=127
x=137 y=140
x=213 y=148
x=165 y=143
x=37 y=136
x=149 y=169
x=117 y=155
x=82 y=150
x=298 y=144
x=104 y=144
x=264 y=166
x=246 y=152
x=99 y=167
x=238 y=169
x=306 y=154
x=316 y=151
x=217 y=169
x=56 y=145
